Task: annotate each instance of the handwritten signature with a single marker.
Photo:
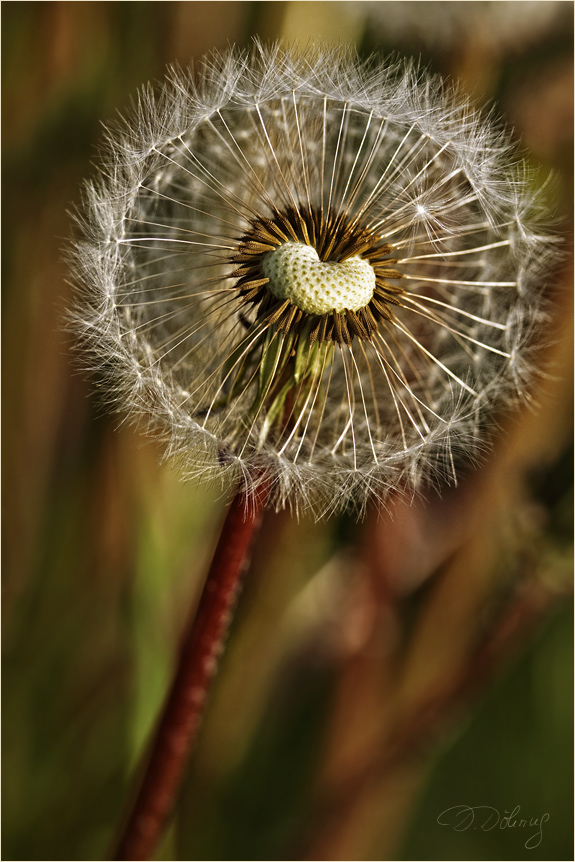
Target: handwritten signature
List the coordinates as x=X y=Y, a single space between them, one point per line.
x=485 y=817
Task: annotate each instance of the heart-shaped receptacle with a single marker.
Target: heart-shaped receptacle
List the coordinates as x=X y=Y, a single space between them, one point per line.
x=296 y=273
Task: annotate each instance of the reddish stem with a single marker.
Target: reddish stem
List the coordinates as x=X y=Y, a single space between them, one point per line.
x=180 y=720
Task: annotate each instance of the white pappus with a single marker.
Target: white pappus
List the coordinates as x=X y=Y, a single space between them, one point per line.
x=311 y=270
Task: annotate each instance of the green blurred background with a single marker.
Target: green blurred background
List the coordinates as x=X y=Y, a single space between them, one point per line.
x=104 y=549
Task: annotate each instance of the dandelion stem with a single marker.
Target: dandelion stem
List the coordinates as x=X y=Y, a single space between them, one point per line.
x=179 y=723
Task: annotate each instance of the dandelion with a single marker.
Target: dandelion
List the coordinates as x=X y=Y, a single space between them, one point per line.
x=317 y=278
x=312 y=269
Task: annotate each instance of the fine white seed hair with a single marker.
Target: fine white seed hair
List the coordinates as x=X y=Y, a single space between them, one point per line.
x=379 y=146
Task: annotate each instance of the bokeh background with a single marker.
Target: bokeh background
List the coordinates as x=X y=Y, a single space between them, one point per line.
x=376 y=674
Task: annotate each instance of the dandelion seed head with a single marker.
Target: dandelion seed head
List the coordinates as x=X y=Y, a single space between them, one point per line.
x=299 y=265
